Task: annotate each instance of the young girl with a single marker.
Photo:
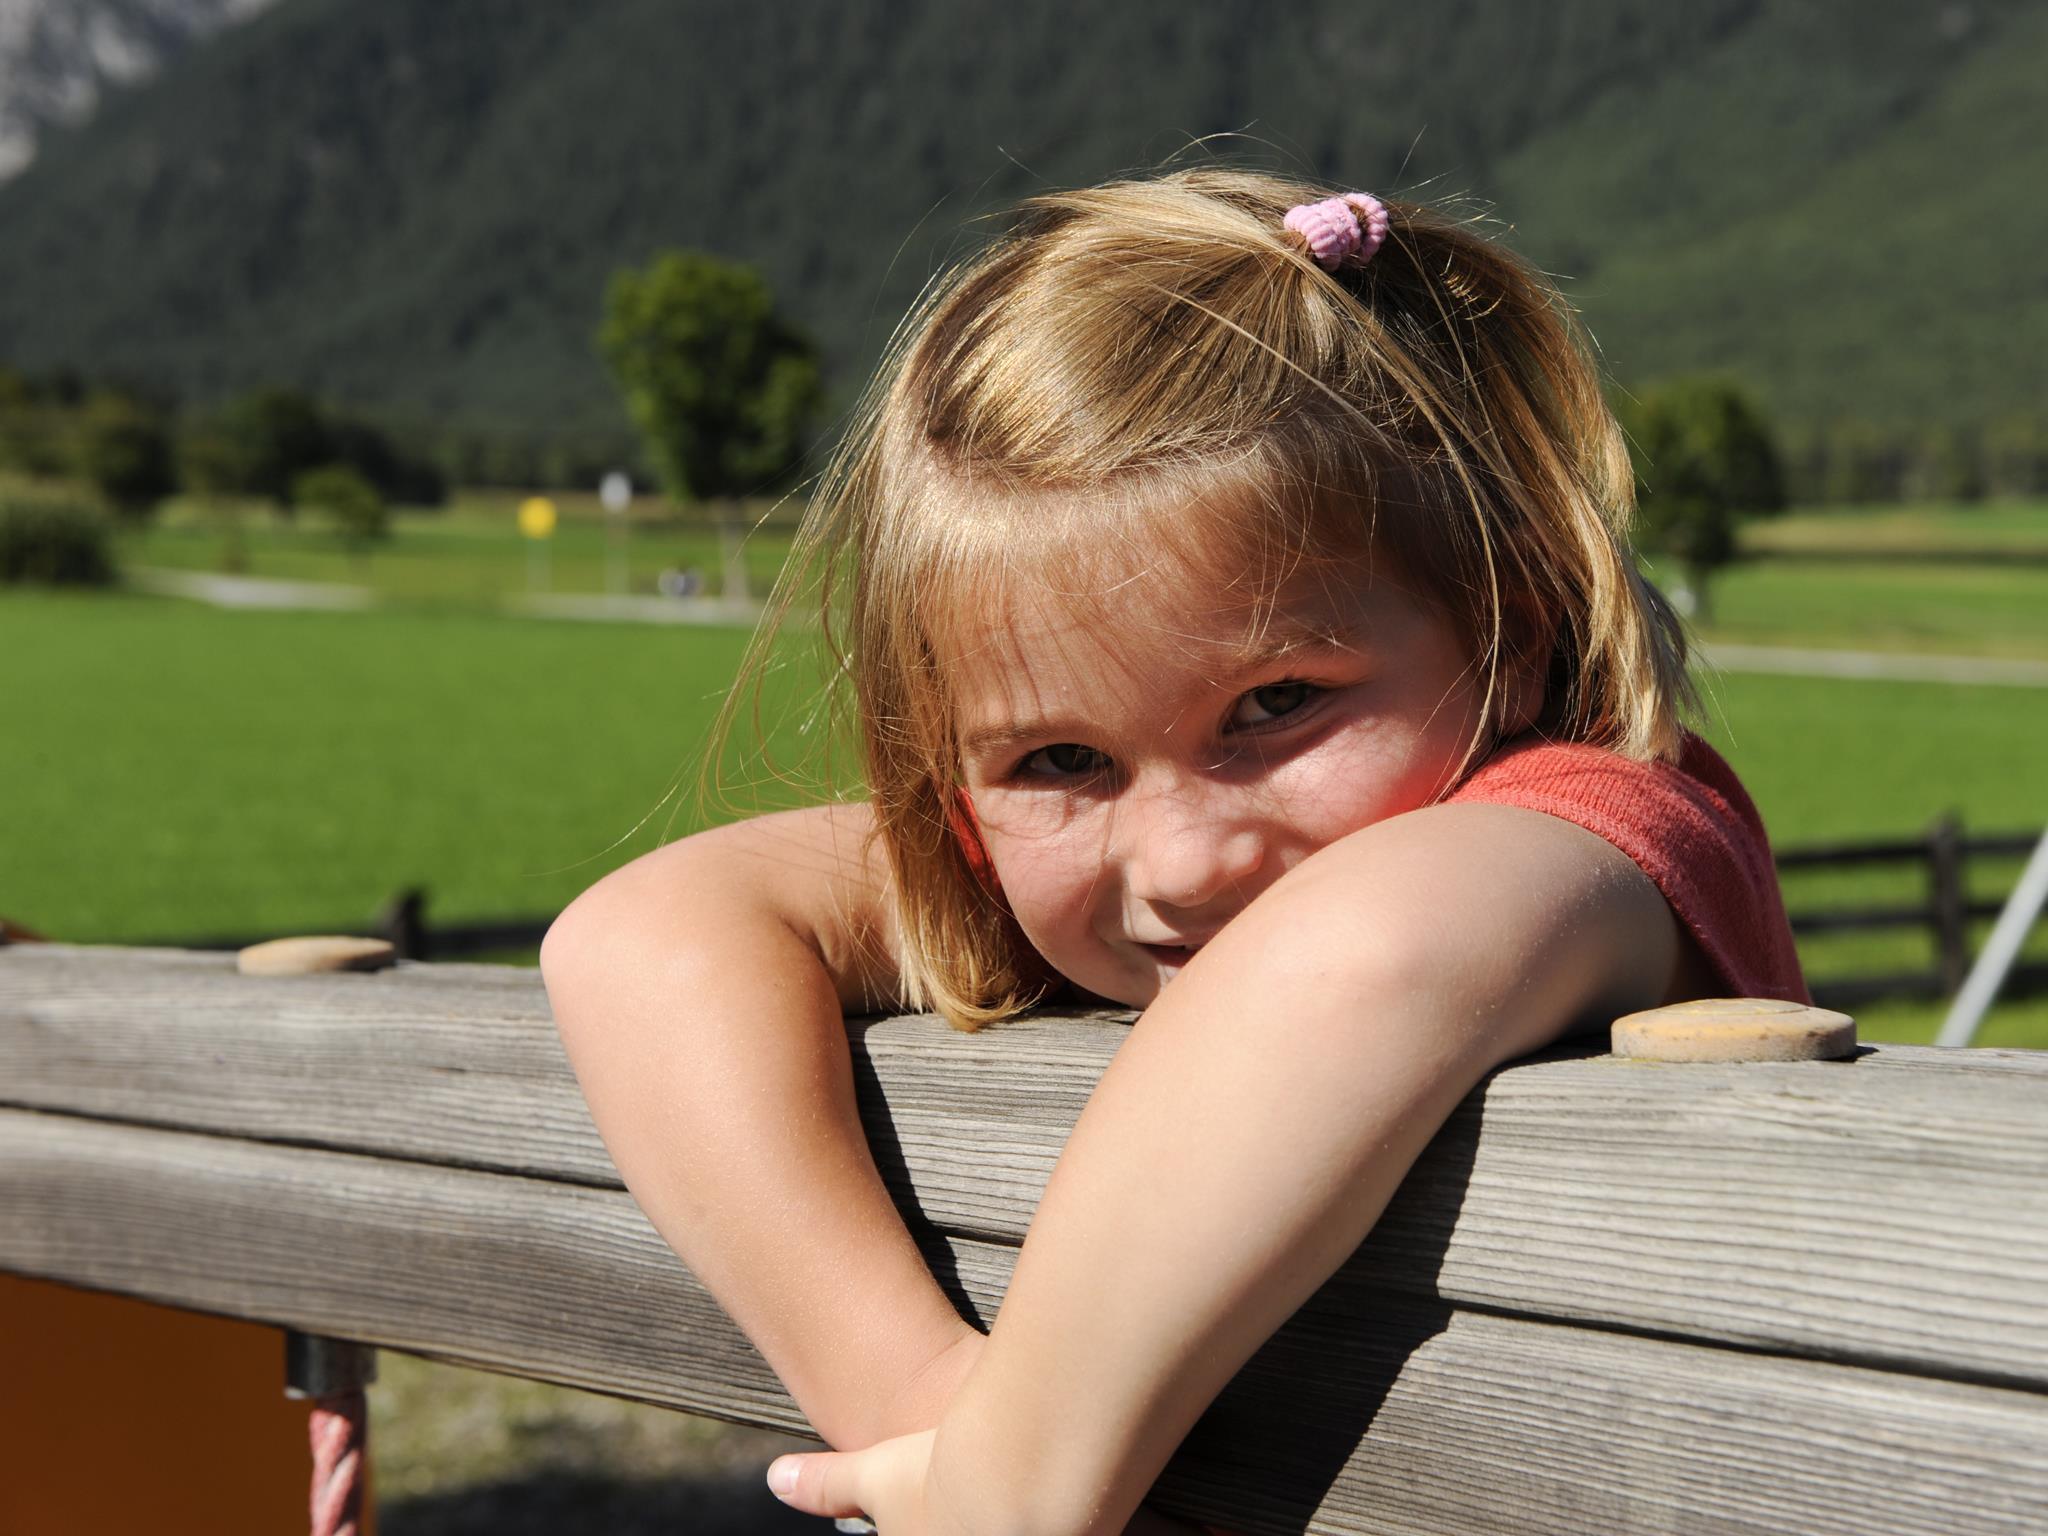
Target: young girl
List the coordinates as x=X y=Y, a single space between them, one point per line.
x=1233 y=585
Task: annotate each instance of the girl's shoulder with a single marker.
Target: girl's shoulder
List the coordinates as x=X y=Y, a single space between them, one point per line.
x=1688 y=824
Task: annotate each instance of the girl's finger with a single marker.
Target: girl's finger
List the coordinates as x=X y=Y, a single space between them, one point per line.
x=823 y=1483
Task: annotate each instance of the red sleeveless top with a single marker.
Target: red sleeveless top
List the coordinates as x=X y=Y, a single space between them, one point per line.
x=1689 y=825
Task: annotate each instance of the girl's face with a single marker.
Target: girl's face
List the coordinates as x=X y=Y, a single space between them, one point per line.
x=1144 y=762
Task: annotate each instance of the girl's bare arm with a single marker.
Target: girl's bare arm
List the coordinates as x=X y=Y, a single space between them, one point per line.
x=1251 y=1129
x=700 y=992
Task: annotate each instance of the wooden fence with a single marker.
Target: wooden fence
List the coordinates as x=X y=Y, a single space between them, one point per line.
x=1613 y=1296
x=1945 y=913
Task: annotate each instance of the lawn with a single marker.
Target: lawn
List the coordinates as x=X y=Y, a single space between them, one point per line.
x=177 y=770
x=1979 y=529
x=1965 y=609
x=1957 y=579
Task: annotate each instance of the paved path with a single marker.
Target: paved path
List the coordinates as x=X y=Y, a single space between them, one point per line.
x=1885 y=666
x=643 y=609
x=256 y=592
x=265 y=592
x=246 y=591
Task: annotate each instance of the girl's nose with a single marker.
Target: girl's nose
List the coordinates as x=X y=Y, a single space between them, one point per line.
x=1187 y=849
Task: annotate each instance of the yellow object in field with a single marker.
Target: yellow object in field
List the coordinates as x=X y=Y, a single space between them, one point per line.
x=537 y=517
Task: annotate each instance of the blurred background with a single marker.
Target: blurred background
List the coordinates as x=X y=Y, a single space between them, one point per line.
x=378 y=535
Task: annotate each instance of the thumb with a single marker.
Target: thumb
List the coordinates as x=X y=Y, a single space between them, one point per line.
x=821 y=1483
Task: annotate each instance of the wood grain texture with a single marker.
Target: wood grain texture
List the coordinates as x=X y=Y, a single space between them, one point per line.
x=1368 y=1413
x=1891 y=1211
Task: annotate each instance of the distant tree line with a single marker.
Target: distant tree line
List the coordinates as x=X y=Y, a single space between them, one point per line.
x=42 y=420
x=1852 y=462
x=137 y=450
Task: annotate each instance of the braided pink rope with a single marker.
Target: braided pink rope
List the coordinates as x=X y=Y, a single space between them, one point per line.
x=1340 y=229
x=339 y=1430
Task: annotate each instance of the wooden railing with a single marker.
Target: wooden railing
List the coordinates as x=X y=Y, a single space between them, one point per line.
x=1614 y=1296
x=1944 y=914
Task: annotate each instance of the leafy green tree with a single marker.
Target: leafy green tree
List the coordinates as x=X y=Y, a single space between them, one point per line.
x=1951 y=466
x=724 y=391
x=2016 y=456
x=125 y=451
x=348 y=500
x=211 y=472
x=1704 y=459
x=1865 y=464
x=274 y=436
x=208 y=463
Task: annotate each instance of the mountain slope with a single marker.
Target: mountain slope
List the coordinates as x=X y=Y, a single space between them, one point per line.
x=414 y=204
x=57 y=57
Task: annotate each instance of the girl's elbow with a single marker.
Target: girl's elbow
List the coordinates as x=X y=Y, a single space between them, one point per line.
x=598 y=953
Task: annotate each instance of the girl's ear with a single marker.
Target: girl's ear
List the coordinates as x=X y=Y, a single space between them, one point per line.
x=966 y=828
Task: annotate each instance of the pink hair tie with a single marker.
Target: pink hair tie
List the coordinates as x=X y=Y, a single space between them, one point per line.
x=1339 y=229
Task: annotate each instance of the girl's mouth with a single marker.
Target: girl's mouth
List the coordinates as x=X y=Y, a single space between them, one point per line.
x=1171 y=954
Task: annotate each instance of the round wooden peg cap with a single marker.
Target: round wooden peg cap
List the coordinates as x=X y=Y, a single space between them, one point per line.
x=1735 y=1029
x=318 y=952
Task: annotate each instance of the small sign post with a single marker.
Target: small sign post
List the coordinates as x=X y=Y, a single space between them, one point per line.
x=616 y=492
x=537 y=522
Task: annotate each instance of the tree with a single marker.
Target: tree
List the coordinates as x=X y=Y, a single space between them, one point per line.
x=349 y=501
x=1704 y=458
x=274 y=436
x=125 y=450
x=723 y=390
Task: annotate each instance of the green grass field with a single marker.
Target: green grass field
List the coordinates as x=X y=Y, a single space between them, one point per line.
x=1990 y=529
x=181 y=770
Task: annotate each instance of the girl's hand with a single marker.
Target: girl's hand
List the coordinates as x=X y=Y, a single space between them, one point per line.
x=885 y=1482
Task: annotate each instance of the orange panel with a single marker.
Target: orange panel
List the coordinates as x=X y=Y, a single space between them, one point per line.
x=116 y=1415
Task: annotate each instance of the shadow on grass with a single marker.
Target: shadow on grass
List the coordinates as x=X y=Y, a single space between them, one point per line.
x=569 y=1502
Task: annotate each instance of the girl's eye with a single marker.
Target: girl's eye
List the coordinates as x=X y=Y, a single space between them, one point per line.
x=1273 y=702
x=1065 y=760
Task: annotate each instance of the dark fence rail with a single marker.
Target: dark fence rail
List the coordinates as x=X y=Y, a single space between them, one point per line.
x=1944 y=851
x=1945 y=915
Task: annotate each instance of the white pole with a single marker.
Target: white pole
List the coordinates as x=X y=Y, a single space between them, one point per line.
x=616 y=492
x=2001 y=950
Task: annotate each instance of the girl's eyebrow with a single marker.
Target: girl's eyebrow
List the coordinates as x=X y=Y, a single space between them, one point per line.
x=1001 y=740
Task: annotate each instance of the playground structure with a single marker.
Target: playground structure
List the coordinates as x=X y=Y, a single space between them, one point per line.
x=1614 y=1295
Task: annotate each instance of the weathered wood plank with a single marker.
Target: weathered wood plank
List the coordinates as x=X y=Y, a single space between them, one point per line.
x=1367 y=1414
x=1740 y=1203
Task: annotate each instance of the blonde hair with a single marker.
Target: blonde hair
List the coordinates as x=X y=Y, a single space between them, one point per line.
x=1164 y=343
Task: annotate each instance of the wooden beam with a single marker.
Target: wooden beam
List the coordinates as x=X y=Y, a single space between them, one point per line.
x=1368 y=1413
x=1891 y=1211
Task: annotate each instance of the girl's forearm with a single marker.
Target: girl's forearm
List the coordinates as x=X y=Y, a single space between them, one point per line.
x=1253 y=1127
x=709 y=1040
x=1179 y=1232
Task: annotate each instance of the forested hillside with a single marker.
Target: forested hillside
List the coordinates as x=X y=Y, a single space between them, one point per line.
x=58 y=56
x=414 y=205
